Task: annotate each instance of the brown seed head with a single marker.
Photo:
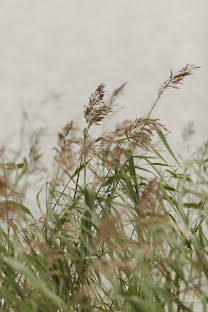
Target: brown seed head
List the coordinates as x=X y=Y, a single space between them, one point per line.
x=65 y=156
x=127 y=136
x=96 y=110
x=175 y=80
x=116 y=93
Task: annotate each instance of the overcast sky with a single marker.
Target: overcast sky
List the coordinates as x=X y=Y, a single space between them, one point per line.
x=67 y=48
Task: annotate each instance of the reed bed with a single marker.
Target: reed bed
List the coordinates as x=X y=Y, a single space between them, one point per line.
x=123 y=226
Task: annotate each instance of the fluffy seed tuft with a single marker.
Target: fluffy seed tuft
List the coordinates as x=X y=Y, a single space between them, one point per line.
x=175 y=80
x=96 y=110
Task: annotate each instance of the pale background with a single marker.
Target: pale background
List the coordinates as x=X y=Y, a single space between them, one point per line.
x=67 y=48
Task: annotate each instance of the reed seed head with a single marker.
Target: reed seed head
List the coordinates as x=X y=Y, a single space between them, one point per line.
x=176 y=80
x=96 y=110
x=65 y=156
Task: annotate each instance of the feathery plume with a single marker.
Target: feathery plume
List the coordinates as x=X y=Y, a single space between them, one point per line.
x=175 y=80
x=127 y=136
x=116 y=93
x=96 y=109
x=65 y=155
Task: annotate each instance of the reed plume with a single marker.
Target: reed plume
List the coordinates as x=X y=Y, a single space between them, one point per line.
x=118 y=91
x=176 y=80
x=96 y=110
x=65 y=155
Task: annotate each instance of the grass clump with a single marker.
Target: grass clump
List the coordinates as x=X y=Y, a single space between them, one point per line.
x=123 y=228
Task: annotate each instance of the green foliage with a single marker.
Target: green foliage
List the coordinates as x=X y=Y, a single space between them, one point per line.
x=122 y=230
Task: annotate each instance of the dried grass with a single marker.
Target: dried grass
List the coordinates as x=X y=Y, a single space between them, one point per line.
x=176 y=80
x=120 y=235
x=96 y=110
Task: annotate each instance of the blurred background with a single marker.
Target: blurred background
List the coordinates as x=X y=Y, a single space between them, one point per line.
x=54 y=53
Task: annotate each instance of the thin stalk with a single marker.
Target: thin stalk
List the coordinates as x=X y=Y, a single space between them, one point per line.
x=154 y=104
x=86 y=130
x=85 y=160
